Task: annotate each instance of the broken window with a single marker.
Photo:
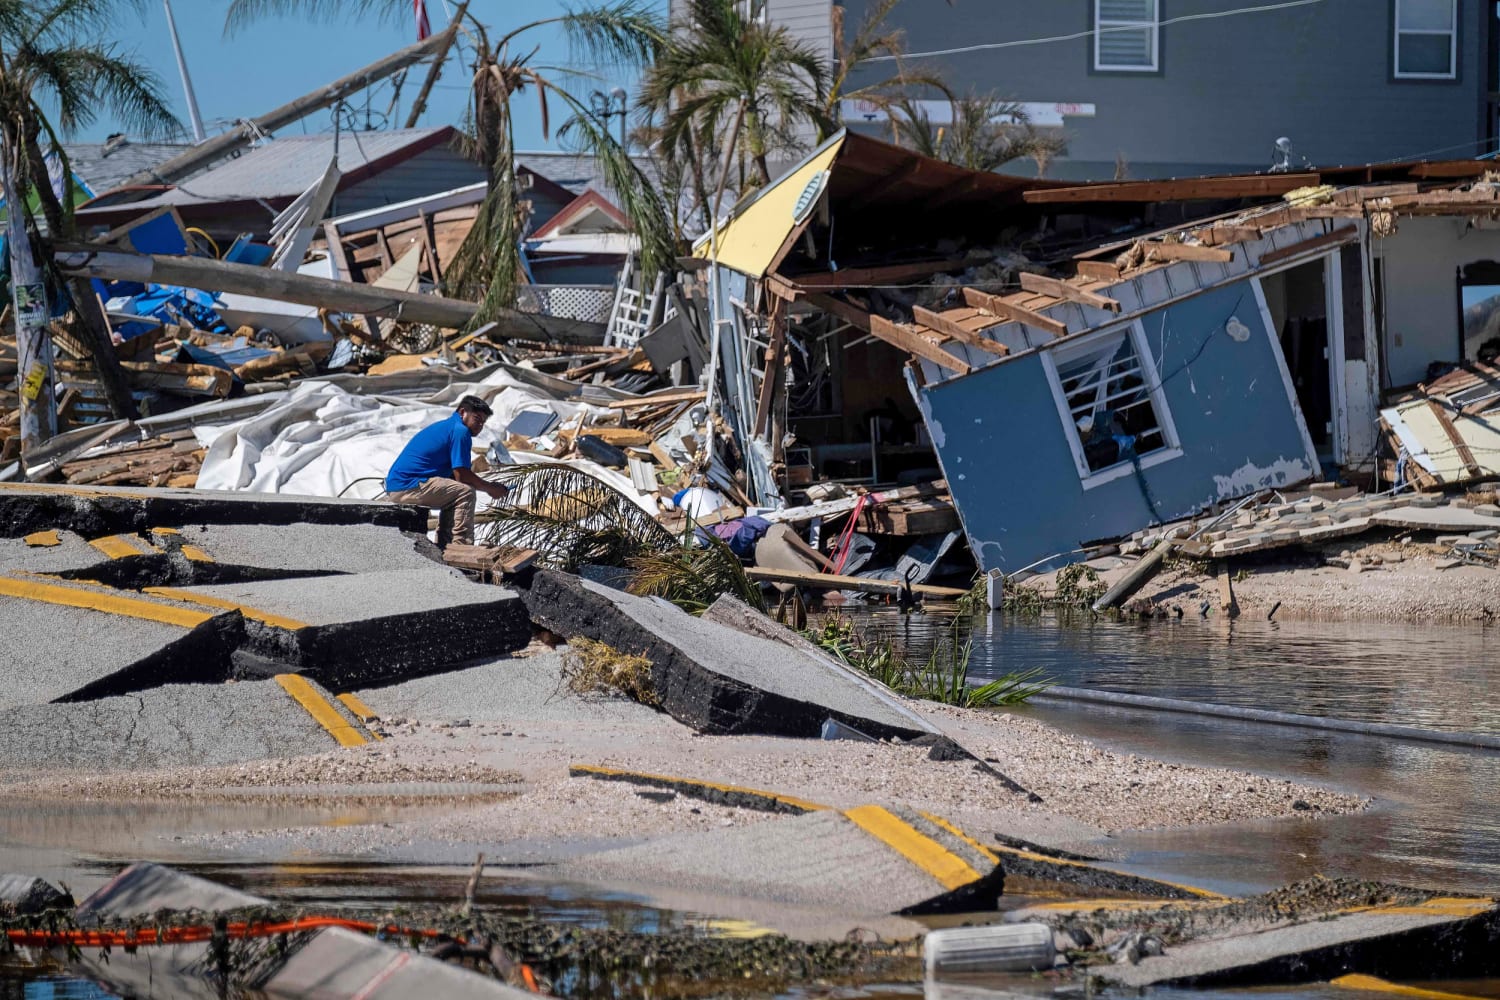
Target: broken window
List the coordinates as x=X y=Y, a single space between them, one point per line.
x=1111 y=402
x=1426 y=39
x=1126 y=35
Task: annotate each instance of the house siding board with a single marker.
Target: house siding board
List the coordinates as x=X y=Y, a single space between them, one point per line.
x=430 y=172
x=1007 y=459
x=1228 y=87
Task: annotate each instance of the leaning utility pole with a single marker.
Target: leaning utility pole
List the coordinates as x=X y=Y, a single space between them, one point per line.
x=29 y=306
x=220 y=146
x=420 y=104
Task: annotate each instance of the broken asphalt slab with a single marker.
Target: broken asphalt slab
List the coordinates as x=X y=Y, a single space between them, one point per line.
x=72 y=641
x=1400 y=935
x=326 y=548
x=189 y=725
x=709 y=676
x=93 y=511
x=866 y=860
x=357 y=630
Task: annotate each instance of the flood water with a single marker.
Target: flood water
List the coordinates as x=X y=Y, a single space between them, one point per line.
x=1436 y=817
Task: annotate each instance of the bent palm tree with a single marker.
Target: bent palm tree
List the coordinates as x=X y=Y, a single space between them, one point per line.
x=723 y=65
x=55 y=78
x=486 y=266
x=874 y=41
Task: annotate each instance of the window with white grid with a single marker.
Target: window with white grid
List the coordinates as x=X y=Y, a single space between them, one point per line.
x=1127 y=35
x=1426 y=39
x=1109 y=396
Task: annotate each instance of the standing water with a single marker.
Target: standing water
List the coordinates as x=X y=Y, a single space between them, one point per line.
x=1436 y=819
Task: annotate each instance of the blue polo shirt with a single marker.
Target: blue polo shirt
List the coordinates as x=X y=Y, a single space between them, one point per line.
x=435 y=451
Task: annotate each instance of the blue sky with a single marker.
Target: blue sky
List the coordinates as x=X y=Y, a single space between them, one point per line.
x=280 y=59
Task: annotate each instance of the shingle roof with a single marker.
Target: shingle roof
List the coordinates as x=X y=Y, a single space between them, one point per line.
x=576 y=171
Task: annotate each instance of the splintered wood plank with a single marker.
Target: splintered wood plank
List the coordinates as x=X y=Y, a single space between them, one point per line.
x=1099 y=270
x=1345 y=235
x=910 y=341
x=941 y=324
x=1063 y=290
x=1188 y=251
x=996 y=306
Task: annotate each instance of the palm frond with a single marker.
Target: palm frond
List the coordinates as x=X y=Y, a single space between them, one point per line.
x=692 y=577
x=243 y=13
x=571 y=518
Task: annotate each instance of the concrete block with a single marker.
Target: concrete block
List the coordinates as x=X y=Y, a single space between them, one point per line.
x=711 y=677
x=340 y=964
x=1487 y=510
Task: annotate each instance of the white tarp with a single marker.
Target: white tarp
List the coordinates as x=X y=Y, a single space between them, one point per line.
x=321 y=439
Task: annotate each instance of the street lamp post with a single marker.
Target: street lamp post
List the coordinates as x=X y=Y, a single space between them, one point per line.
x=606 y=106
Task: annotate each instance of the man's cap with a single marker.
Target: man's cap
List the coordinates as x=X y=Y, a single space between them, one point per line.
x=475 y=404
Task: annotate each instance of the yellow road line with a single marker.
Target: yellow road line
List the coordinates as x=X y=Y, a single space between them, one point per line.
x=192 y=552
x=951 y=871
x=108 y=603
x=364 y=713
x=1001 y=849
x=265 y=617
x=43 y=539
x=1358 y=982
x=123 y=546
x=943 y=824
x=610 y=772
x=321 y=709
x=1441 y=906
x=1081 y=905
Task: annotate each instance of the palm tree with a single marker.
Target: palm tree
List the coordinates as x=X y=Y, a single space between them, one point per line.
x=874 y=41
x=55 y=78
x=725 y=70
x=614 y=33
x=985 y=133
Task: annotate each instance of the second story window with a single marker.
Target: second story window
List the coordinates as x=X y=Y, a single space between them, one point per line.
x=1426 y=39
x=1126 y=35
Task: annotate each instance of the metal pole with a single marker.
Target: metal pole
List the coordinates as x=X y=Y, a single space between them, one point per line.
x=29 y=303
x=187 y=82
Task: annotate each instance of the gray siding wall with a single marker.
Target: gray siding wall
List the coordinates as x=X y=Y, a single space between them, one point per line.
x=430 y=172
x=1227 y=87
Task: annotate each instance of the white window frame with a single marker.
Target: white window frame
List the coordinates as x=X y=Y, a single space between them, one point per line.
x=1172 y=445
x=1397 y=32
x=1101 y=25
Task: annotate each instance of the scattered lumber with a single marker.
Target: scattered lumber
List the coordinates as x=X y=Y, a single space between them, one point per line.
x=829 y=581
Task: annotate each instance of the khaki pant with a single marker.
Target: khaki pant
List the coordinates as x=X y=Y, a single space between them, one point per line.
x=456 y=522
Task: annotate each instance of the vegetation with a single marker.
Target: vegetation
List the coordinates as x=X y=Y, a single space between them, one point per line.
x=872 y=40
x=590 y=667
x=725 y=75
x=618 y=33
x=943 y=677
x=985 y=133
x=693 y=577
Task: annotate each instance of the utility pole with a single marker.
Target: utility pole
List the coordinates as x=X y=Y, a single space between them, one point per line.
x=420 y=104
x=29 y=306
x=187 y=82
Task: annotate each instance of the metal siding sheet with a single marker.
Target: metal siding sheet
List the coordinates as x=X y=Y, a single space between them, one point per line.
x=1020 y=495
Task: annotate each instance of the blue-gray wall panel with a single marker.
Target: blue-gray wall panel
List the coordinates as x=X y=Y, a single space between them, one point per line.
x=1007 y=460
x=1227 y=87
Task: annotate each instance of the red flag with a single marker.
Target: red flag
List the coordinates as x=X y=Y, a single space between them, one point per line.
x=424 y=27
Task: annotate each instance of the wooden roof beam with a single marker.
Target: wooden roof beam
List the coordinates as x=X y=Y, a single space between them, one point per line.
x=946 y=327
x=1043 y=285
x=995 y=305
x=1188 y=251
x=909 y=340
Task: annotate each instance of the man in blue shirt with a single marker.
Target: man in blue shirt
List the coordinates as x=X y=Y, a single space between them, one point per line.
x=433 y=470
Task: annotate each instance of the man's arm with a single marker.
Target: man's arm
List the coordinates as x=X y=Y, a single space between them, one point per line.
x=497 y=490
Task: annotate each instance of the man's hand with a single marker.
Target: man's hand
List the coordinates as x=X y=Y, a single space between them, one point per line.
x=467 y=476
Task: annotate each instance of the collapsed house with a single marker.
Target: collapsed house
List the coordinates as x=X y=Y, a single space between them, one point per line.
x=1088 y=360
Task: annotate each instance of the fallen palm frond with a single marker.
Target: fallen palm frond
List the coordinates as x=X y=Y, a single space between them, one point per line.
x=592 y=667
x=571 y=518
x=693 y=578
